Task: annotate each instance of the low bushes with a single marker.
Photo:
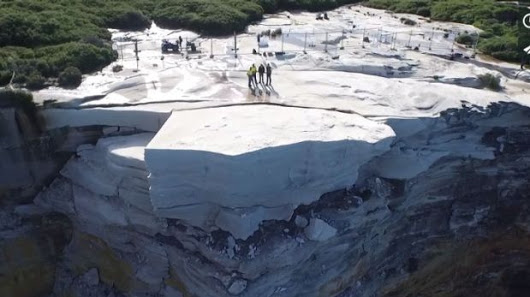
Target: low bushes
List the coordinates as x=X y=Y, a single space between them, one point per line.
x=465 y=39
x=207 y=16
x=490 y=81
x=35 y=81
x=18 y=99
x=498 y=21
x=501 y=47
x=408 y=21
x=87 y=57
x=71 y=77
x=117 y=68
x=31 y=66
x=127 y=20
x=420 y=7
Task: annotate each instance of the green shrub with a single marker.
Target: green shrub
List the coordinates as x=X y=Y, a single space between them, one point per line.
x=23 y=27
x=35 y=81
x=86 y=57
x=465 y=39
x=18 y=99
x=501 y=47
x=208 y=17
x=71 y=77
x=20 y=78
x=408 y=21
x=127 y=20
x=117 y=68
x=269 y=6
x=5 y=77
x=424 y=11
x=490 y=81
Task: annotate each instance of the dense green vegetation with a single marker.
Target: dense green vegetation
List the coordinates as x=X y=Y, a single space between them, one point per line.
x=39 y=39
x=18 y=99
x=498 y=20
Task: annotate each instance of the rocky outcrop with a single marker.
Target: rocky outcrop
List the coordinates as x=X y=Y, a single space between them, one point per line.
x=33 y=239
x=30 y=158
x=466 y=202
x=227 y=168
x=29 y=252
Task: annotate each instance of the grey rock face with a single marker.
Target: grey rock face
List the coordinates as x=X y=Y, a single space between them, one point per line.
x=319 y=230
x=29 y=158
x=364 y=241
x=301 y=222
x=237 y=287
x=91 y=277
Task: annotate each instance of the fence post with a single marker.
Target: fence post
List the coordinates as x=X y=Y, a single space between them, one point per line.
x=282 y=41
x=136 y=51
x=305 y=42
x=475 y=46
x=235 y=45
x=326 y=45
x=364 y=32
x=410 y=39
x=430 y=41
x=211 y=48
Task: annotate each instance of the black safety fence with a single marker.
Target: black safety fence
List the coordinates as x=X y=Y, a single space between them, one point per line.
x=286 y=41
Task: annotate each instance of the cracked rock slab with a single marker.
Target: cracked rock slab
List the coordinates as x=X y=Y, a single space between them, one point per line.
x=254 y=163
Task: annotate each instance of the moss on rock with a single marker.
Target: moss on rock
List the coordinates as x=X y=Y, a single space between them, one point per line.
x=88 y=251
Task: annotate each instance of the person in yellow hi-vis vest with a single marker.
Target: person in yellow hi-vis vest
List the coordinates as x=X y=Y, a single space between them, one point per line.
x=250 y=75
x=254 y=74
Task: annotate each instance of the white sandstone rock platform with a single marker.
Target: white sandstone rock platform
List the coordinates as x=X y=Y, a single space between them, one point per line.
x=240 y=165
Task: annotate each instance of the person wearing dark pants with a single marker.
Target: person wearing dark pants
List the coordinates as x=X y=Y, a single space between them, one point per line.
x=250 y=75
x=254 y=74
x=269 y=74
x=261 y=71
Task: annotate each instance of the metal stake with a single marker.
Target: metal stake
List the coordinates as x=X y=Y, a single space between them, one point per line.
x=235 y=44
x=326 y=45
x=211 y=48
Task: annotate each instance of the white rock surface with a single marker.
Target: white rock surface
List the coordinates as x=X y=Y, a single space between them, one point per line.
x=257 y=162
x=318 y=230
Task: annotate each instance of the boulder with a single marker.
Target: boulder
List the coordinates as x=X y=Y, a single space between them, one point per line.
x=318 y=230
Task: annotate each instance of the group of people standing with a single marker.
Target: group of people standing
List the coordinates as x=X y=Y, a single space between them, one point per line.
x=262 y=69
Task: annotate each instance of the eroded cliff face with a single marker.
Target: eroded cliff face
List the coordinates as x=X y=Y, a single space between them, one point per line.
x=29 y=251
x=32 y=240
x=458 y=226
x=30 y=158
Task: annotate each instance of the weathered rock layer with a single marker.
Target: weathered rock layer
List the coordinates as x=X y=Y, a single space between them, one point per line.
x=462 y=216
